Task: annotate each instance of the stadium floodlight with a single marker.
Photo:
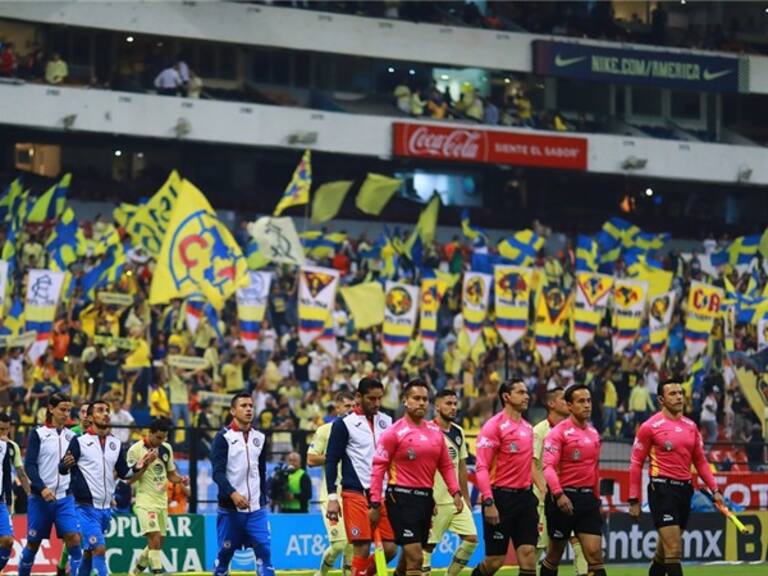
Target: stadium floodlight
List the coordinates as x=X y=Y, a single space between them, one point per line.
x=745 y=173
x=634 y=163
x=302 y=138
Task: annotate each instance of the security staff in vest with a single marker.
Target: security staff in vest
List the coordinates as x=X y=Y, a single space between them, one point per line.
x=298 y=486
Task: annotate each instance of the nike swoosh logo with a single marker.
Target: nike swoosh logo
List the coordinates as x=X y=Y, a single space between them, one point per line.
x=715 y=75
x=561 y=62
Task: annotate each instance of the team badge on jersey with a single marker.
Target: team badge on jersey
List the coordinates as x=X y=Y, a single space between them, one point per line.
x=513 y=447
x=411 y=454
x=667 y=445
x=577 y=454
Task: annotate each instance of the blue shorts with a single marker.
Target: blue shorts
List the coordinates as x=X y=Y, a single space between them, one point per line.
x=242 y=529
x=42 y=515
x=94 y=523
x=5 y=521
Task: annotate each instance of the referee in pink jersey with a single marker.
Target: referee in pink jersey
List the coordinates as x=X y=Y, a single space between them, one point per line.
x=571 y=469
x=410 y=452
x=505 y=471
x=673 y=443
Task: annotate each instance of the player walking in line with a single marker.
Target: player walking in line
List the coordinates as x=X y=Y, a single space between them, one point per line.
x=94 y=459
x=239 y=463
x=571 y=469
x=504 y=472
x=337 y=536
x=673 y=443
x=17 y=464
x=8 y=455
x=557 y=411
x=50 y=502
x=411 y=451
x=353 y=442
x=446 y=407
x=83 y=423
x=151 y=504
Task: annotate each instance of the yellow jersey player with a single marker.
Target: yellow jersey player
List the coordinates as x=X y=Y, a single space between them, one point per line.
x=151 y=503
x=445 y=518
x=337 y=536
x=557 y=411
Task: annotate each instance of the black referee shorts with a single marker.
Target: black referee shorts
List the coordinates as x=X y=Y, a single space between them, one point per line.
x=410 y=513
x=586 y=518
x=518 y=521
x=670 y=502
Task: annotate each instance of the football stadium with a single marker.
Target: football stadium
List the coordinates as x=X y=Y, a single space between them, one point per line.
x=378 y=288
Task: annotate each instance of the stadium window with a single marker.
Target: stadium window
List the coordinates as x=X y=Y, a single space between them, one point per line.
x=353 y=73
x=227 y=62
x=281 y=67
x=260 y=65
x=579 y=96
x=301 y=69
x=207 y=60
x=646 y=101
x=323 y=71
x=686 y=105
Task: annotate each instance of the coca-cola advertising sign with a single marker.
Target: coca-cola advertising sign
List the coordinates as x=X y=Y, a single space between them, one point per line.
x=462 y=144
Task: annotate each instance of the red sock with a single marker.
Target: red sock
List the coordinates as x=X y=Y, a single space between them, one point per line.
x=360 y=566
x=371 y=571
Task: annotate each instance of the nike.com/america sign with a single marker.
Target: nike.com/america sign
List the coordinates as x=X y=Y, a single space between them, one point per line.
x=686 y=71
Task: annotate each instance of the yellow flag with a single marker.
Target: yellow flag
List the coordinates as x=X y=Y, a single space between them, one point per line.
x=148 y=224
x=375 y=193
x=428 y=220
x=297 y=191
x=366 y=303
x=198 y=256
x=328 y=200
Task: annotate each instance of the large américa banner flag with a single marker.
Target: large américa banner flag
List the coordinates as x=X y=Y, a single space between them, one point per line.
x=512 y=292
x=400 y=306
x=43 y=292
x=198 y=256
x=474 y=303
x=251 y=307
x=704 y=306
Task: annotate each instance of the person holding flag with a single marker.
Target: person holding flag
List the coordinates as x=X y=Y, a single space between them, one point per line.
x=674 y=444
x=571 y=469
x=50 y=502
x=504 y=473
x=151 y=503
x=410 y=452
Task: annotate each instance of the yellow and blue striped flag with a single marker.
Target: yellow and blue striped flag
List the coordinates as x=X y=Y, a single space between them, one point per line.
x=739 y=253
x=319 y=244
x=12 y=192
x=51 y=204
x=108 y=271
x=297 y=192
x=63 y=244
x=521 y=248
x=14 y=320
x=586 y=254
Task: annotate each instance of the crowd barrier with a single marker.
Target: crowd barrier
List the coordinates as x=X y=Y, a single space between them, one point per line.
x=298 y=541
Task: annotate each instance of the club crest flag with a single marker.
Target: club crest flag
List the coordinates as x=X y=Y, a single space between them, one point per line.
x=400 y=306
x=512 y=292
x=278 y=240
x=704 y=303
x=475 y=294
x=629 y=298
x=42 y=299
x=148 y=223
x=251 y=306
x=432 y=291
x=317 y=295
x=199 y=256
x=659 y=319
x=551 y=312
x=327 y=340
x=592 y=293
x=3 y=285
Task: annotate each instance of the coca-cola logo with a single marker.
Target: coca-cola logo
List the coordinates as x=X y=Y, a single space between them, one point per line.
x=459 y=144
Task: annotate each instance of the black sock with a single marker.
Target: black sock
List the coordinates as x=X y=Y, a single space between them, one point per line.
x=477 y=572
x=673 y=568
x=524 y=572
x=547 y=570
x=598 y=570
x=656 y=569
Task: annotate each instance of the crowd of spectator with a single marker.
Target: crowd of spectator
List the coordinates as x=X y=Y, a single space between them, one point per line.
x=514 y=108
x=34 y=66
x=121 y=353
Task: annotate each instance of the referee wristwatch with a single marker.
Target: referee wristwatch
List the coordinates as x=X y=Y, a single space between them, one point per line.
x=488 y=502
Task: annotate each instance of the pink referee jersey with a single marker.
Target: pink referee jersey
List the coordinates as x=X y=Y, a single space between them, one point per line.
x=504 y=454
x=411 y=455
x=673 y=445
x=572 y=457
